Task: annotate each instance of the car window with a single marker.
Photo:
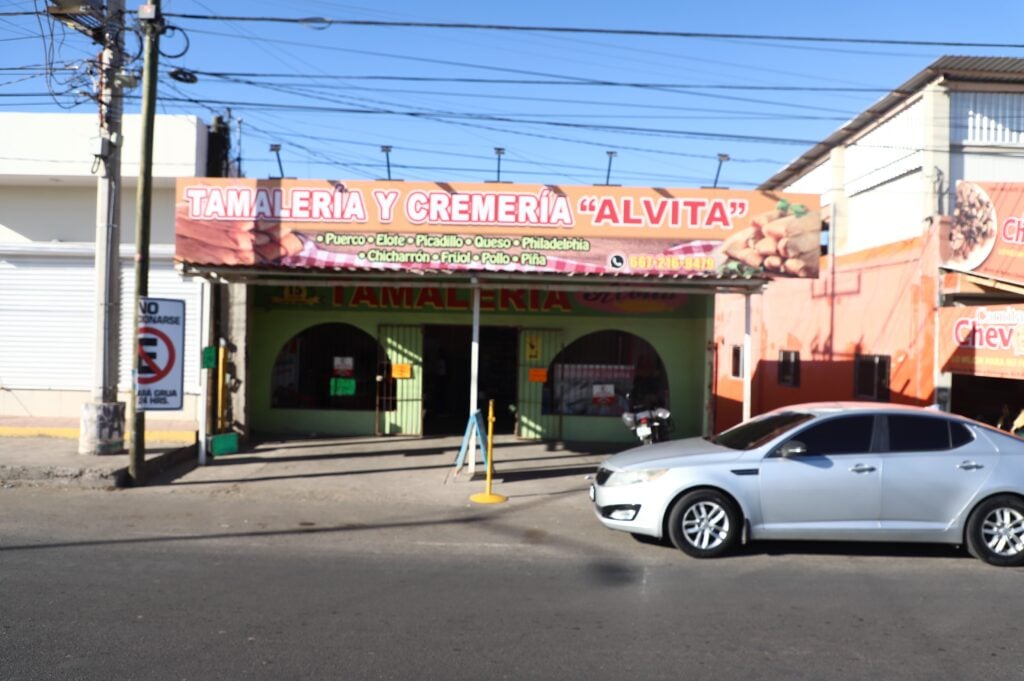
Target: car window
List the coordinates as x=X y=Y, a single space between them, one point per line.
x=840 y=435
x=760 y=430
x=912 y=433
x=960 y=434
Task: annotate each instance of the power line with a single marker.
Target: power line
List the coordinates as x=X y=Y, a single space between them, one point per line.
x=526 y=72
x=718 y=114
x=323 y=22
x=550 y=81
x=309 y=108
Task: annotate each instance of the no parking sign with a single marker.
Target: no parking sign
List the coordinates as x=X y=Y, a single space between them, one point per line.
x=159 y=379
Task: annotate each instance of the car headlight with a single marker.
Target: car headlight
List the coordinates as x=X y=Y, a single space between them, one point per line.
x=619 y=478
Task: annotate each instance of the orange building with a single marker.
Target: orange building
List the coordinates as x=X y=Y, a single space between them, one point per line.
x=920 y=298
x=865 y=329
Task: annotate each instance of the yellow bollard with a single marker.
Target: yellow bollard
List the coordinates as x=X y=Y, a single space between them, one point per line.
x=487 y=497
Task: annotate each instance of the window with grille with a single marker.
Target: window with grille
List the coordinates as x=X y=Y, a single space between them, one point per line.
x=871 y=377
x=737 y=361
x=789 y=368
x=603 y=374
x=329 y=366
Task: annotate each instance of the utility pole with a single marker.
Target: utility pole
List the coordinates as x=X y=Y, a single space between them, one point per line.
x=101 y=429
x=152 y=26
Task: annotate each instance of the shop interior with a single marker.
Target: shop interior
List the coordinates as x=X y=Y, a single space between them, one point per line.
x=446 y=377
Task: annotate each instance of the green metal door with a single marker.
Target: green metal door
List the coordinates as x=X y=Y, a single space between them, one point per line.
x=400 y=392
x=537 y=348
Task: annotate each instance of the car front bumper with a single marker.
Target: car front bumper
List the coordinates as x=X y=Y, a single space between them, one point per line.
x=623 y=508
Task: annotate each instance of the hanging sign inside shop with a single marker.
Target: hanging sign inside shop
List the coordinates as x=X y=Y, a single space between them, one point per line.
x=603 y=394
x=401 y=371
x=985 y=233
x=322 y=224
x=982 y=341
x=532 y=348
x=342 y=387
x=538 y=375
x=344 y=366
x=159 y=379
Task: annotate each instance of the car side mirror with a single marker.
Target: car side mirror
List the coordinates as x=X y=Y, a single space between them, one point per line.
x=793 y=448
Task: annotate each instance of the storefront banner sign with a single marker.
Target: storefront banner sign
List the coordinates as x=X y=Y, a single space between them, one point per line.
x=982 y=341
x=502 y=300
x=402 y=226
x=985 y=233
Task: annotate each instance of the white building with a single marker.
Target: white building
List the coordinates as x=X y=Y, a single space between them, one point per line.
x=48 y=301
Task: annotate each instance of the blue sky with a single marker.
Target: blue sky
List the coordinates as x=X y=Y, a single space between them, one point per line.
x=332 y=96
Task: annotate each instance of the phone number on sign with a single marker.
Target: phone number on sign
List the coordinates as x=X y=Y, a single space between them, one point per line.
x=671 y=262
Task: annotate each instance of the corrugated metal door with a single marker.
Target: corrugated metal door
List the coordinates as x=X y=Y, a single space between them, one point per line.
x=401 y=412
x=537 y=348
x=47 y=312
x=47 y=321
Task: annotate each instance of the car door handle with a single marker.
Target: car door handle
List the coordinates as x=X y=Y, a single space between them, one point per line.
x=969 y=466
x=862 y=468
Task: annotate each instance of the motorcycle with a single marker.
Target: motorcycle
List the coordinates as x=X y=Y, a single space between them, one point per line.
x=651 y=424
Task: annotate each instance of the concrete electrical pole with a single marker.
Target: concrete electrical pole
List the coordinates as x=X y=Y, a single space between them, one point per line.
x=102 y=420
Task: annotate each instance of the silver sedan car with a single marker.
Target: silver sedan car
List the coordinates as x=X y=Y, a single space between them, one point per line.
x=833 y=471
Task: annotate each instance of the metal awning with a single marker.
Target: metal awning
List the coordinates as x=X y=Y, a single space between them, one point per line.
x=989 y=282
x=663 y=283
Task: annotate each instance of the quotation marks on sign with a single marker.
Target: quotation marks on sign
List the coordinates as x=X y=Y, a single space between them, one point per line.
x=691 y=212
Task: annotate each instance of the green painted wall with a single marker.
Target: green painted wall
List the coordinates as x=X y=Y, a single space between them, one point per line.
x=679 y=337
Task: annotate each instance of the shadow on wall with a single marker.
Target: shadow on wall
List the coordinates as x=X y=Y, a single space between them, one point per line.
x=816 y=381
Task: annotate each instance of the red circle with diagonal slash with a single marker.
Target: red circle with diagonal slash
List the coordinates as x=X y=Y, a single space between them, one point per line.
x=158 y=371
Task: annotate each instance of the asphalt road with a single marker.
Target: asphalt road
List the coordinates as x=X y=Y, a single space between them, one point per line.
x=211 y=582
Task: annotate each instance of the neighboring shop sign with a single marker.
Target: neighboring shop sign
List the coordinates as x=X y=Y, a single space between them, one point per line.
x=321 y=224
x=432 y=299
x=985 y=234
x=159 y=379
x=982 y=341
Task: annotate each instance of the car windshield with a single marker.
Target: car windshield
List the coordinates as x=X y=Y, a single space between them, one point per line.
x=760 y=430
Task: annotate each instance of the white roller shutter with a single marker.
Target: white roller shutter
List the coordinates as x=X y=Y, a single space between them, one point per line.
x=47 y=319
x=46 y=323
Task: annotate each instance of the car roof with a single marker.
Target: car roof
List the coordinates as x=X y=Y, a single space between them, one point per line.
x=823 y=408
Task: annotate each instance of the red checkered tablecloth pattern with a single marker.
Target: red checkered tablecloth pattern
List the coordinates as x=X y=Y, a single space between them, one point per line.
x=313 y=256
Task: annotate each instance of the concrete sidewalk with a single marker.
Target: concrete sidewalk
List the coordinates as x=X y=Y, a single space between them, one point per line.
x=37 y=451
x=342 y=467
x=43 y=460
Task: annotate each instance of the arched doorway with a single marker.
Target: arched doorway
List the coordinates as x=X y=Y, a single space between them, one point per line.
x=604 y=373
x=328 y=366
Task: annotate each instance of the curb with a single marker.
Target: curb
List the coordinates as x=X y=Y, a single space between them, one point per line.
x=92 y=477
x=178 y=437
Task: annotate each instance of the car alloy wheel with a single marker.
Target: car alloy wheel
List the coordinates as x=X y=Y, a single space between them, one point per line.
x=995 y=531
x=704 y=524
x=1003 y=531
